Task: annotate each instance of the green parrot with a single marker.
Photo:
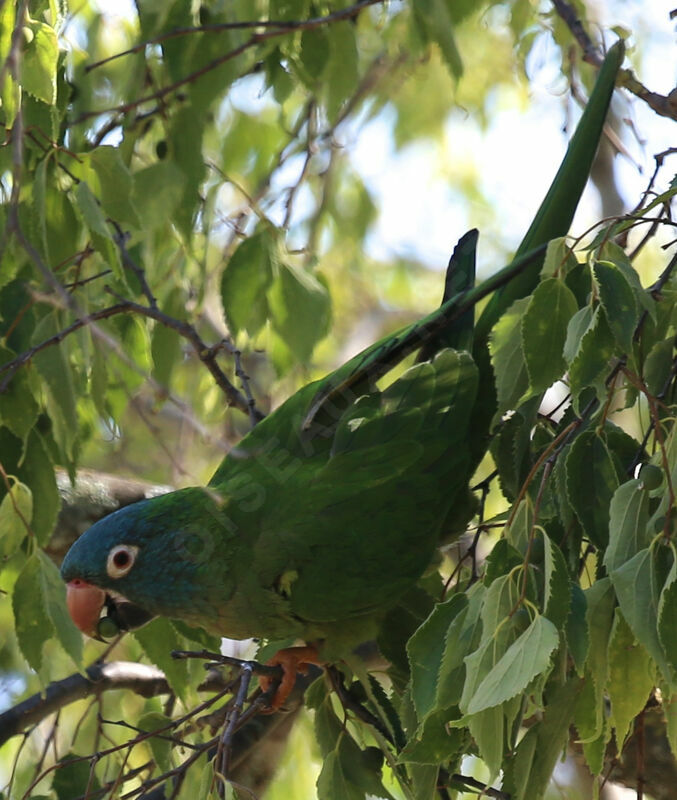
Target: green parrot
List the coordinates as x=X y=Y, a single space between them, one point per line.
x=333 y=506
x=317 y=521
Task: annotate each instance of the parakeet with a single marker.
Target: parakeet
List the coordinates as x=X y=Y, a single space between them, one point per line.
x=317 y=521
x=332 y=506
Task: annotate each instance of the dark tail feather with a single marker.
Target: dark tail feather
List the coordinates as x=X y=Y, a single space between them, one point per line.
x=460 y=277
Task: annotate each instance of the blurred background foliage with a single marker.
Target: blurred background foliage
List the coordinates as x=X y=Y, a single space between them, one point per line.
x=243 y=169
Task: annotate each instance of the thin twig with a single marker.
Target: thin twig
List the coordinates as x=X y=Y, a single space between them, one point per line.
x=257 y=38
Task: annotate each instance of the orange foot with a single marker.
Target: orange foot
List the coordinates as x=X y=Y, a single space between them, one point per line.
x=292 y=660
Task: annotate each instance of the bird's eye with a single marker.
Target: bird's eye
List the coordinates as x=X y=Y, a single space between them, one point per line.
x=120 y=560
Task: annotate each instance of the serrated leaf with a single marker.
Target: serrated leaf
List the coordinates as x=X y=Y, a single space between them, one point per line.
x=31 y=623
x=499 y=631
x=618 y=300
x=53 y=366
x=39 y=61
x=667 y=619
x=94 y=219
x=116 y=184
x=435 y=742
x=300 y=310
x=158 y=639
x=16 y=513
x=462 y=637
x=161 y=748
x=488 y=731
x=18 y=407
x=559 y=259
x=636 y=585
x=528 y=656
x=578 y=325
x=658 y=366
x=599 y=618
x=519 y=530
x=591 y=481
x=245 y=282
x=578 y=638
x=333 y=783
x=631 y=677
x=510 y=447
x=596 y=350
x=544 y=332
x=53 y=592
x=557 y=597
x=528 y=774
x=37 y=471
x=628 y=517
x=425 y=651
x=507 y=356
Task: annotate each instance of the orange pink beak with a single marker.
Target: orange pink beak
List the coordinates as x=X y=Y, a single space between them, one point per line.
x=85 y=602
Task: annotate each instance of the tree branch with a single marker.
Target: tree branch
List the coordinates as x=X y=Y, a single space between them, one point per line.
x=664 y=105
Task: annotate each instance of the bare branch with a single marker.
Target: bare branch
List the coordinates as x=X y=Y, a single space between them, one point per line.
x=665 y=105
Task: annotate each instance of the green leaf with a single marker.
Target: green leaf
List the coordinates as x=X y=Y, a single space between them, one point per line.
x=557 y=596
x=53 y=366
x=599 y=618
x=499 y=631
x=116 y=184
x=544 y=331
x=158 y=639
x=461 y=638
x=528 y=656
x=507 y=356
x=628 y=517
x=74 y=777
x=31 y=623
x=94 y=219
x=631 y=677
x=578 y=326
x=510 y=447
x=638 y=586
x=667 y=619
x=18 y=407
x=157 y=191
x=161 y=748
x=594 y=354
x=53 y=592
x=436 y=23
x=37 y=471
x=434 y=742
x=342 y=73
x=658 y=366
x=426 y=649
x=165 y=341
x=618 y=301
x=300 y=310
x=16 y=513
x=529 y=772
x=577 y=633
x=39 y=61
x=591 y=481
x=519 y=530
x=559 y=259
x=246 y=280
x=488 y=731
x=315 y=53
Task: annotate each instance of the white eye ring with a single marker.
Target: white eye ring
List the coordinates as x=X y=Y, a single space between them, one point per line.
x=120 y=560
